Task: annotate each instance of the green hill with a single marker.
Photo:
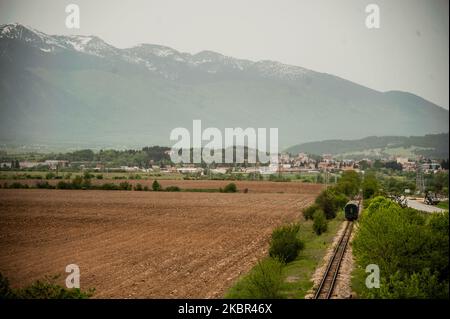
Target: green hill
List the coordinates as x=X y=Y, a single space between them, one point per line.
x=432 y=145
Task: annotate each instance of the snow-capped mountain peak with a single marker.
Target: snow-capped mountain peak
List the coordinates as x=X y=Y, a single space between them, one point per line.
x=156 y=58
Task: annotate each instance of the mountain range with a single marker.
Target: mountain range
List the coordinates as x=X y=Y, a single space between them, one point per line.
x=430 y=146
x=82 y=90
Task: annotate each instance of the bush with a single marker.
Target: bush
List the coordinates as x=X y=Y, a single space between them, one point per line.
x=156 y=186
x=88 y=175
x=421 y=285
x=49 y=175
x=41 y=289
x=308 y=213
x=18 y=185
x=329 y=202
x=266 y=279
x=109 y=187
x=285 y=243
x=99 y=176
x=320 y=224
x=77 y=182
x=370 y=186
x=5 y=291
x=380 y=203
x=44 y=185
x=230 y=188
x=125 y=186
x=349 y=183
x=138 y=187
x=146 y=189
x=64 y=185
x=172 y=189
x=404 y=243
x=341 y=200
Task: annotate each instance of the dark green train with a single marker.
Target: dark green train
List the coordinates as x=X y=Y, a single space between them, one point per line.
x=351 y=210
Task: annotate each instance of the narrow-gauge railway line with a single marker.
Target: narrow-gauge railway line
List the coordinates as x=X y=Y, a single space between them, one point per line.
x=326 y=286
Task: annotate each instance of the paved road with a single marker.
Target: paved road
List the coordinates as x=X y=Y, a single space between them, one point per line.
x=424 y=207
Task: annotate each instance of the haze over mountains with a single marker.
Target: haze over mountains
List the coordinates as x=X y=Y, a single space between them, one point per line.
x=81 y=90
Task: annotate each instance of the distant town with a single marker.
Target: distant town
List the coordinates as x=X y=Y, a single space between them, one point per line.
x=287 y=163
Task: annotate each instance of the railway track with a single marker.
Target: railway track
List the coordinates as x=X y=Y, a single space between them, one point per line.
x=326 y=286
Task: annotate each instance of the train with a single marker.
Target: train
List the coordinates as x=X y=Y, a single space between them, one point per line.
x=351 y=210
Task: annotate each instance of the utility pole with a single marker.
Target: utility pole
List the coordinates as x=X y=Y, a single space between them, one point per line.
x=420 y=183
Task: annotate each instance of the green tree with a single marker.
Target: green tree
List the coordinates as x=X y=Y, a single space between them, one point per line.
x=411 y=249
x=370 y=186
x=349 y=183
x=320 y=224
x=285 y=243
x=156 y=186
x=330 y=201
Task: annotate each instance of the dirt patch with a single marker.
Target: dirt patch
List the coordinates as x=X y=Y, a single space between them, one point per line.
x=140 y=244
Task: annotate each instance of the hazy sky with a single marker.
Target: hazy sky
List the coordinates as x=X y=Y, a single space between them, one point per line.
x=410 y=52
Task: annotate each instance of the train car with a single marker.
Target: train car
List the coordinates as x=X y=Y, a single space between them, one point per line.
x=351 y=210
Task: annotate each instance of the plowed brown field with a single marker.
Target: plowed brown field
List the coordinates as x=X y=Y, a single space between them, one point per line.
x=141 y=244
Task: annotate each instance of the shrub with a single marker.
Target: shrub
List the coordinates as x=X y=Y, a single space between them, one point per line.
x=138 y=187
x=18 y=185
x=49 y=175
x=285 y=244
x=64 y=185
x=308 y=213
x=86 y=183
x=330 y=201
x=41 y=289
x=5 y=290
x=380 y=203
x=77 y=182
x=146 y=189
x=156 y=186
x=172 y=189
x=349 y=183
x=421 y=285
x=44 y=185
x=109 y=186
x=341 y=200
x=88 y=175
x=320 y=224
x=125 y=186
x=230 y=188
x=266 y=279
x=370 y=186
x=411 y=249
x=99 y=176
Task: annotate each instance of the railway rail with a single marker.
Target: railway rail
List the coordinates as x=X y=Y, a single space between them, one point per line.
x=326 y=286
